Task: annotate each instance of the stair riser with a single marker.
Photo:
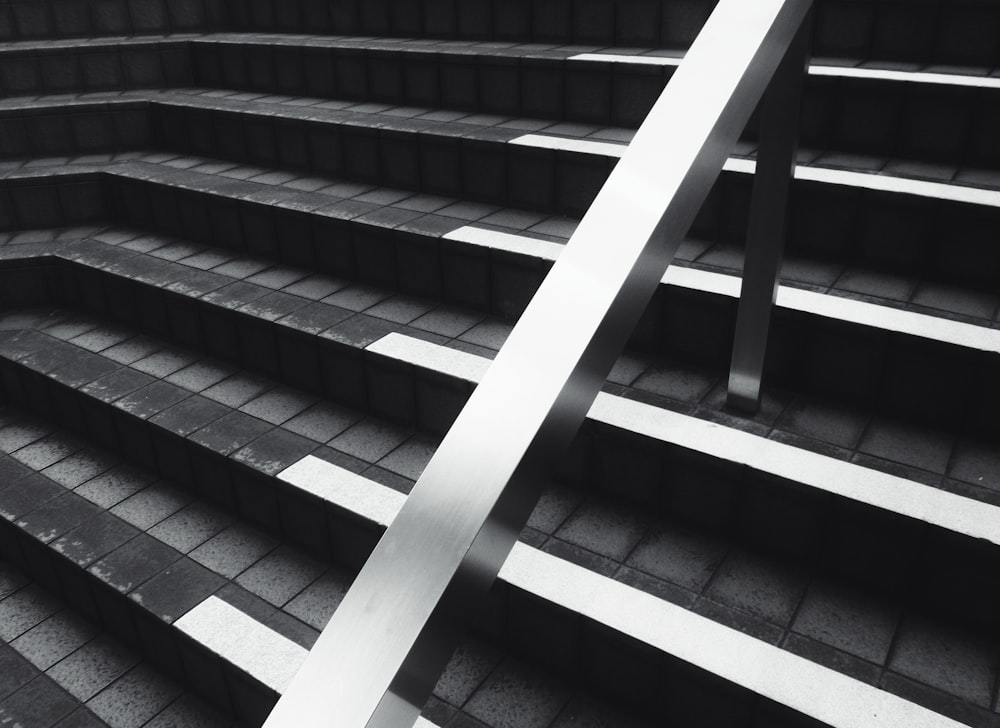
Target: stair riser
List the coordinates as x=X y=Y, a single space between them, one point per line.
x=59 y=19
x=94 y=67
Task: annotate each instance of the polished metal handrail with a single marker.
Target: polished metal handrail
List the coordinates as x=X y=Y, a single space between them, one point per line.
x=378 y=659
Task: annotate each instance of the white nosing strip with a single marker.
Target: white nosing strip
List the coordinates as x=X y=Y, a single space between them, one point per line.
x=825 y=175
x=890 y=319
x=345 y=489
x=889 y=492
x=795 y=299
x=506 y=242
x=238 y=638
x=820 y=692
x=873 y=74
x=630 y=59
x=886 y=74
x=255 y=648
x=570 y=144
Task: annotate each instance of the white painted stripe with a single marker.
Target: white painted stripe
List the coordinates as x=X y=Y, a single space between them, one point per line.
x=864 y=485
x=252 y=647
x=633 y=59
x=873 y=74
x=890 y=319
x=825 y=175
x=885 y=74
x=881 y=183
x=506 y=242
x=570 y=144
x=782 y=676
x=344 y=488
x=830 y=697
x=238 y=638
x=795 y=299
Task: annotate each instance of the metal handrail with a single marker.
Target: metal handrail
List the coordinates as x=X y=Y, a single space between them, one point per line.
x=380 y=656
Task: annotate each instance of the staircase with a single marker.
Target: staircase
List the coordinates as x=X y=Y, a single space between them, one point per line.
x=255 y=256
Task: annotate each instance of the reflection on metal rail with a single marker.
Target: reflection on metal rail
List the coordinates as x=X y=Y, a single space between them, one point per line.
x=378 y=659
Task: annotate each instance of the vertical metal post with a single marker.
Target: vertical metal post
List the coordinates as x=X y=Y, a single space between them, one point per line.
x=776 y=152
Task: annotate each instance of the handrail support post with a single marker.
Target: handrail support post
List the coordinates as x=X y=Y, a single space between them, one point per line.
x=776 y=157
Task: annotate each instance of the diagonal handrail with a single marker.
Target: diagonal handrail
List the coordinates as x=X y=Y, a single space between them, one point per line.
x=381 y=654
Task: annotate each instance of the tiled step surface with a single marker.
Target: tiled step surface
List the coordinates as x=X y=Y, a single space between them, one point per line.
x=247 y=489
x=168 y=516
x=575 y=521
x=59 y=669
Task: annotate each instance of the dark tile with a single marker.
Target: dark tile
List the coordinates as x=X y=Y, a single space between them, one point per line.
x=50 y=641
x=679 y=555
x=93 y=667
x=189 y=415
x=517 y=695
x=848 y=620
x=281 y=575
x=604 y=529
x=134 y=698
x=24 y=609
x=233 y=550
x=230 y=433
x=134 y=563
x=238 y=389
x=15 y=671
x=114 y=485
x=94 y=538
x=908 y=444
x=26 y=495
x=151 y=505
x=370 y=440
x=59 y=515
x=322 y=422
x=278 y=405
x=824 y=421
x=151 y=399
x=177 y=589
x=41 y=702
x=950 y=659
x=764 y=588
x=274 y=451
x=191 y=526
